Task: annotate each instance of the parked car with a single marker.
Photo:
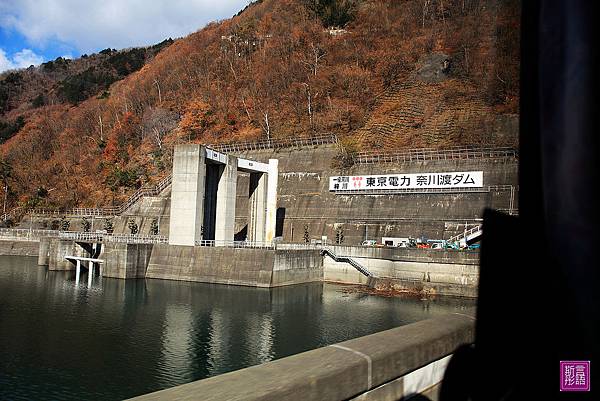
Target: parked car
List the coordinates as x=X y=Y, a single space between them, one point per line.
x=452 y=245
x=369 y=242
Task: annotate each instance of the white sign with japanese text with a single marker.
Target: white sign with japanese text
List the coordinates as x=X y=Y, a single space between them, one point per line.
x=468 y=179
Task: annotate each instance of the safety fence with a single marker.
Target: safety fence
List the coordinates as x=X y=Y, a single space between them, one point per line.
x=237 y=244
x=468 y=233
x=399 y=191
x=324 y=139
x=109 y=211
x=19 y=234
x=118 y=238
x=422 y=154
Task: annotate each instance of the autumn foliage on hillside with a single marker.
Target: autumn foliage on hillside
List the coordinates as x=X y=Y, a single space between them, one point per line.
x=276 y=70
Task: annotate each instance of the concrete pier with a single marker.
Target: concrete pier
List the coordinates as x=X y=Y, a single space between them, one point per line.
x=187 y=195
x=126 y=261
x=271 y=219
x=59 y=249
x=257 y=207
x=204 y=194
x=226 y=197
x=44 y=252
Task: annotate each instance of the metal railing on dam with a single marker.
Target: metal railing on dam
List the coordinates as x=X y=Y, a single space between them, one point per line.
x=237 y=244
x=326 y=139
x=22 y=234
x=118 y=238
x=17 y=234
x=107 y=211
x=391 y=364
x=421 y=154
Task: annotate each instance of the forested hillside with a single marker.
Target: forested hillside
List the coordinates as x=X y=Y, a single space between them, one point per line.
x=381 y=74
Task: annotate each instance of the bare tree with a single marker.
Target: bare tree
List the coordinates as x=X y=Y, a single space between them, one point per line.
x=101 y=127
x=425 y=5
x=159 y=96
x=316 y=55
x=159 y=122
x=266 y=127
x=309 y=98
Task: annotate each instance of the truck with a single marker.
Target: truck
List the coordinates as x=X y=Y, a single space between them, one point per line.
x=437 y=243
x=395 y=242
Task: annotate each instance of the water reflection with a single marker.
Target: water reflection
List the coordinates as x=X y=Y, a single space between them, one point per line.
x=118 y=338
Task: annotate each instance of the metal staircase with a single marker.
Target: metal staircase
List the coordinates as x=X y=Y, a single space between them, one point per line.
x=344 y=259
x=467 y=237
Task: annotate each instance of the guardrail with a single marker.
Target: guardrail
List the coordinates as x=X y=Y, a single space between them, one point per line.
x=276 y=143
x=465 y=234
x=21 y=234
x=109 y=211
x=435 y=154
x=237 y=244
x=292 y=247
x=396 y=191
x=118 y=238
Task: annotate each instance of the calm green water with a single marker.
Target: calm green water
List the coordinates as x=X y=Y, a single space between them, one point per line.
x=117 y=338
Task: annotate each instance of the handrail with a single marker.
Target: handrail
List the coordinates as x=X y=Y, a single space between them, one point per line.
x=237 y=244
x=450 y=153
x=324 y=139
x=118 y=238
x=396 y=191
x=108 y=211
x=466 y=233
x=23 y=234
x=363 y=270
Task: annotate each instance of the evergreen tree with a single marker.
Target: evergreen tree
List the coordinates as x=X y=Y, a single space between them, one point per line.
x=86 y=225
x=133 y=227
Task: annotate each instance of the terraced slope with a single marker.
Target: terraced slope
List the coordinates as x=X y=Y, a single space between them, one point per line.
x=419 y=114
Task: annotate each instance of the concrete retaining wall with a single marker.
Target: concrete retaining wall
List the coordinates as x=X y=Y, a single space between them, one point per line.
x=388 y=365
x=294 y=267
x=125 y=260
x=19 y=248
x=304 y=198
x=454 y=273
x=250 y=267
x=58 y=249
x=143 y=212
x=449 y=256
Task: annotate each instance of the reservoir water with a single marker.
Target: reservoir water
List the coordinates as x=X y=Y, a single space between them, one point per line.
x=117 y=339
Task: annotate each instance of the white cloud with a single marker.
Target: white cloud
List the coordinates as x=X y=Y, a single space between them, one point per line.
x=90 y=26
x=22 y=59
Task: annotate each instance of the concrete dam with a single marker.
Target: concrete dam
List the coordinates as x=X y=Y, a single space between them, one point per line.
x=305 y=202
x=249 y=216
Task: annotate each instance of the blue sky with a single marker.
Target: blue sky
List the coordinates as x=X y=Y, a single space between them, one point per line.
x=35 y=31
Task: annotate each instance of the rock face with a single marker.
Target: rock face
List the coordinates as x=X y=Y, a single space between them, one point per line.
x=433 y=68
